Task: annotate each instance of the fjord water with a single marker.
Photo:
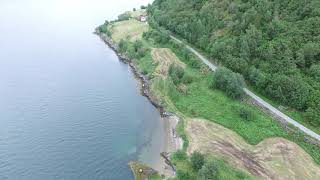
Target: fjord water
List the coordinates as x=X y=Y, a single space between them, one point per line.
x=68 y=108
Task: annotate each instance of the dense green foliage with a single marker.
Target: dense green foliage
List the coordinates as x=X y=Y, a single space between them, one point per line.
x=207 y=168
x=124 y=16
x=275 y=44
x=246 y=113
x=158 y=36
x=134 y=50
x=209 y=171
x=180 y=155
x=197 y=160
x=104 y=29
x=231 y=83
x=176 y=73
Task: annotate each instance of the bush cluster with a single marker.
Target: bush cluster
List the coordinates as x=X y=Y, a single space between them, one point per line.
x=231 y=83
x=197 y=160
x=160 y=36
x=124 y=17
x=176 y=73
x=133 y=50
x=246 y=113
x=105 y=30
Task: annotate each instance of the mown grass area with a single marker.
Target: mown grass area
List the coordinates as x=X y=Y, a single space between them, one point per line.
x=200 y=101
x=129 y=29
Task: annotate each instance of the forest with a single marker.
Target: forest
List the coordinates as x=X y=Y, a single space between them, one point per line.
x=274 y=44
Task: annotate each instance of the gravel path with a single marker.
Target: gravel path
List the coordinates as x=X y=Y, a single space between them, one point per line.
x=259 y=100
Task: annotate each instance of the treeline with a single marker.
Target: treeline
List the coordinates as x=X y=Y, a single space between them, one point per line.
x=274 y=44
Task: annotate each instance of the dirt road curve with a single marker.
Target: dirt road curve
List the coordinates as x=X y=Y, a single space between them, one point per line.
x=259 y=100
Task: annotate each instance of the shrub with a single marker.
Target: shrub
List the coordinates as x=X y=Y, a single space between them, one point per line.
x=136 y=50
x=313 y=114
x=256 y=77
x=161 y=36
x=246 y=113
x=146 y=35
x=131 y=52
x=182 y=88
x=292 y=91
x=124 y=16
x=123 y=46
x=172 y=91
x=105 y=30
x=209 y=171
x=230 y=82
x=137 y=45
x=197 y=160
x=195 y=63
x=141 y=52
x=315 y=72
x=183 y=175
x=186 y=54
x=236 y=64
x=176 y=72
x=187 y=78
x=180 y=155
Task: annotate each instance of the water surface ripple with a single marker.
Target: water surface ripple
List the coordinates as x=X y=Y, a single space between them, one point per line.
x=68 y=108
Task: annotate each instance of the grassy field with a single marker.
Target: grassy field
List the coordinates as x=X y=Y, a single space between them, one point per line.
x=197 y=99
x=293 y=113
x=130 y=29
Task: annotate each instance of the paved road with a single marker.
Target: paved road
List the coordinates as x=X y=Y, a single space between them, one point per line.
x=261 y=102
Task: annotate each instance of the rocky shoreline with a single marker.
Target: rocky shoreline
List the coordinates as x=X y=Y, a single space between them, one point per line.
x=174 y=142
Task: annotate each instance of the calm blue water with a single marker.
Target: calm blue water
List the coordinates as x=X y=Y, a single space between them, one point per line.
x=68 y=108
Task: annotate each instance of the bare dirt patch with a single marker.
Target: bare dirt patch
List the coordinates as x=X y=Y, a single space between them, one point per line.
x=164 y=57
x=273 y=158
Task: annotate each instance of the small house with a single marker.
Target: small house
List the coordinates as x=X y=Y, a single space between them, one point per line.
x=142 y=18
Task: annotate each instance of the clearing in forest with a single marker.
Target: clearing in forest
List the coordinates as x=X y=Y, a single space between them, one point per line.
x=273 y=158
x=129 y=29
x=164 y=57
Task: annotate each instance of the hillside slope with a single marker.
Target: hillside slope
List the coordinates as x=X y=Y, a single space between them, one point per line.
x=275 y=44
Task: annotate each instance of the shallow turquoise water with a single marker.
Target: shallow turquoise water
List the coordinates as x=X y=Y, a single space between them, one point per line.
x=68 y=108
